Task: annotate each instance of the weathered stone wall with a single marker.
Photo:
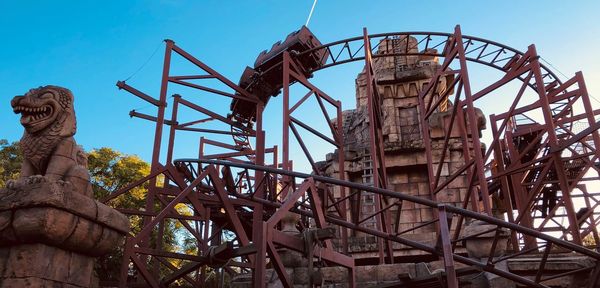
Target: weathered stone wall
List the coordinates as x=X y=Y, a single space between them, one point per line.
x=400 y=79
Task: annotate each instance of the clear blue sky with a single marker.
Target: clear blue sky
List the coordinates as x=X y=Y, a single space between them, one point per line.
x=88 y=45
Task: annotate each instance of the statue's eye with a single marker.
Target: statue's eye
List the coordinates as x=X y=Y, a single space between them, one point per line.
x=47 y=95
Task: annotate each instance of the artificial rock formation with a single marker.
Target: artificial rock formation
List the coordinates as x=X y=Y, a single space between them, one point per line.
x=50 y=227
x=400 y=79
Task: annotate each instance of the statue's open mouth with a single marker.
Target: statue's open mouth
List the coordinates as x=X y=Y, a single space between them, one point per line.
x=33 y=115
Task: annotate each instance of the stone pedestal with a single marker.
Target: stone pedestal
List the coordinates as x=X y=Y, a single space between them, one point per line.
x=40 y=265
x=50 y=234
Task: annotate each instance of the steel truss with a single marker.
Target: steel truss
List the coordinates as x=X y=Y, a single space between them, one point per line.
x=236 y=191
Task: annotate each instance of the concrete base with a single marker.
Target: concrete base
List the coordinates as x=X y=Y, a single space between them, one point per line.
x=39 y=265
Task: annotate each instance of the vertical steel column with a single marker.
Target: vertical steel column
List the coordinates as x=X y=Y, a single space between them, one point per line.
x=342 y=173
x=160 y=120
x=204 y=247
x=171 y=141
x=259 y=233
x=155 y=163
x=424 y=124
x=451 y=279
x=172 y=129
x=553 y=142
x=519 y=192
x=472 y=117
x=351 y=277
x=377 y=153
x=285 y=150
x=127 y=253
x=472 y=171
x=503 y=180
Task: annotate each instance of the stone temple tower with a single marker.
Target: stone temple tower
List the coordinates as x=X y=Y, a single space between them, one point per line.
x=399 y=81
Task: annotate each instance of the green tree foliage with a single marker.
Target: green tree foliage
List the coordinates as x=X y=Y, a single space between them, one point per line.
x=110 y=171
x=589 y=241
x=10 y=161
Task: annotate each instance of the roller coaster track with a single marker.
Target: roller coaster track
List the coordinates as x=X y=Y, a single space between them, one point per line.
x=478 y=50
x=250 y=198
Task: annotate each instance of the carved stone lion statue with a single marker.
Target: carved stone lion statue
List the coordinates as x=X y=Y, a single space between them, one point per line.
x=49 y=150
x=51 y=229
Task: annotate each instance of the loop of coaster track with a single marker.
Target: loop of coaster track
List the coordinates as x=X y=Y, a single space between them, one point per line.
x=478 y=50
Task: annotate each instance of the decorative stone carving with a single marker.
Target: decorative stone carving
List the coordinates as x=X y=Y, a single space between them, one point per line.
x=54 y=213
x=50 y=226
x=48 y=146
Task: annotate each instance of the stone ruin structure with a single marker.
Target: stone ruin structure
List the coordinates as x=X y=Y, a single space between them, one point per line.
x=51 y=228
x=400 y=80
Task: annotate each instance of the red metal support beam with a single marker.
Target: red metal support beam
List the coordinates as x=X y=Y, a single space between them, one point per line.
x=262 y=192
x=376 y=151
x=553 y=141
x=444 y=234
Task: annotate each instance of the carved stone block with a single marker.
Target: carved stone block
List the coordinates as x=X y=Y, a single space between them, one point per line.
x=54 y=214
x=40 y=265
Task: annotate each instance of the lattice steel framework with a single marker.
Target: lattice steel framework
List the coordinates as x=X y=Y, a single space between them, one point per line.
x=238 y=191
